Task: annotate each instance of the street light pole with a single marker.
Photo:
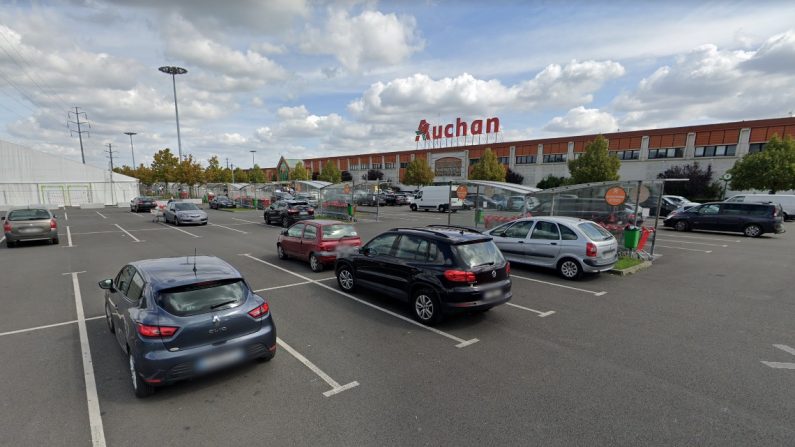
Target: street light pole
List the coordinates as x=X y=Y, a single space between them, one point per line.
x=173 y=71
x=132 y=149
x=252 y=158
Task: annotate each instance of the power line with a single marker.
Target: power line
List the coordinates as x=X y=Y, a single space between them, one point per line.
x=27 y=72
x=79 y=131
x=110 y=155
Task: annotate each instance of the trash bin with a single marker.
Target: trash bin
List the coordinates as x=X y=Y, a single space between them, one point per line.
x=478 y=216
x=350 y=210
x=631 y=237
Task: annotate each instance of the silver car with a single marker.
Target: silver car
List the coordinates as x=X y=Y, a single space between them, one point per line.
x=183 y=213
x=30 y=224
x=571 y=246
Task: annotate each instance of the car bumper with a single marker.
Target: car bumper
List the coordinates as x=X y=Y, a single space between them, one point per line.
x=12 y=237
x=163 y=367
x=195 y=220
x=144 y=207
x=598 y=265
x=461 y=299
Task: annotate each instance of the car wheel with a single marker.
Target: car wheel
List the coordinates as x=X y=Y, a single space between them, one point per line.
x=426 y=307
x=681 y=225
x=141 y=388
x=55 y=241
x=569 y=269
x=280 y=251
x=752 y=230
x=413 y=207
x=176 y=221
x=285 y=222
x=346 y=279
x=267 y=357
x=315 y=264
x=109 y=319
x=441 y=208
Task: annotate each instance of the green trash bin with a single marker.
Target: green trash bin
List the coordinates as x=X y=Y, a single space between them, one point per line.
x=350 y=210
x=631 y=238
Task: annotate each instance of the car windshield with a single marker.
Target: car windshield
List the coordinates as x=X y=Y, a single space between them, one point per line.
x=338 y=231
x=297 y=203
x=595 y=232
x=20 y=215
x=203 y=297
x=186 y=207
x=479 y=253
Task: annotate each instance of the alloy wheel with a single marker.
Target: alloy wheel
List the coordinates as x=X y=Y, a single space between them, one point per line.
x=423 y=305
x=752 y=230
x=345 y=278
x=569 y=269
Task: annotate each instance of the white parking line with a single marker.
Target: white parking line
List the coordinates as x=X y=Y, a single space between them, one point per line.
x=101 y=215
x=244 y=220
x=69 y=236
x=782 y=365
x=677 y=235
x=327 y=279
x=94 y=415
x=540 y=314
x=1 y=240
x=682 y=248
x=228 y=228
x=136 y=215
x=336 y=388
x=560 y=285
x=46 y=326
x=694 y=243
x=178 y=229
x=65 y=216
x=128 y=233
x=98 y=232
x=282 y=287
x=461 y=342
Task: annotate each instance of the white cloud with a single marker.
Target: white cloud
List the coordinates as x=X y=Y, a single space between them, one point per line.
x=580 y=120
x=367 y=39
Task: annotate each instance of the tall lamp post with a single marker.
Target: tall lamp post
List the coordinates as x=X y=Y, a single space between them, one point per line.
x=132 y=149
x=174 y=71
x=252 y=158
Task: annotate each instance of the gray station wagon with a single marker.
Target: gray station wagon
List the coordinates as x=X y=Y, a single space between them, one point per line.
x=30 y=224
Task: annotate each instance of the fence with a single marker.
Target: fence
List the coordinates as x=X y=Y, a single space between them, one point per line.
x=66 y=194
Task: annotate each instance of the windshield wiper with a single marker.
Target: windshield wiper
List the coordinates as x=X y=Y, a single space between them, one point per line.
x=485 y=263
x=223 y=304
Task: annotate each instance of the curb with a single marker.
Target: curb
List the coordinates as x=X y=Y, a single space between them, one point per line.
x=629 y=271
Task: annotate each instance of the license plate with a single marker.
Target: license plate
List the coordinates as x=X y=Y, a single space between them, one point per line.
x=492 y=294
x=303 y=213
x=219 y=360
x=609 y=253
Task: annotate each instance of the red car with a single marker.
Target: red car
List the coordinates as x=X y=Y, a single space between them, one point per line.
x=317 y=241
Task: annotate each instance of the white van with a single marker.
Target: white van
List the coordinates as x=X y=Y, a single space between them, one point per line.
x=787 y=201
x=437 y=198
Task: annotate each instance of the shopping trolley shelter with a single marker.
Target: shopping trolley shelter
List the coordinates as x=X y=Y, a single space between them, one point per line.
x=697 y=350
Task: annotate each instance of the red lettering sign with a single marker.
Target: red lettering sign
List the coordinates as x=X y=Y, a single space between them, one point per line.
x=427 y=132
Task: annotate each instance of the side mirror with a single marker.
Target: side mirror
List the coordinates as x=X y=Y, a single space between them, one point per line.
x=106 y=284
x=368 y=252
x=284 y=232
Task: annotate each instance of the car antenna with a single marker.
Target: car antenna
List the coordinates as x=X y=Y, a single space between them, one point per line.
x=194 y=260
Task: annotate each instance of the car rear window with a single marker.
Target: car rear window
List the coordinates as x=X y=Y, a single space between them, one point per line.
x=34 y=214
x=338 y=231
x=595 y=232
x=297 y=203
x=479 y=253
x=203 y=297
x=186 y=207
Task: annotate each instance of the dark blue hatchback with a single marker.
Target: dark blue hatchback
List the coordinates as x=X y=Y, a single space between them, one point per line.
x=177 y=318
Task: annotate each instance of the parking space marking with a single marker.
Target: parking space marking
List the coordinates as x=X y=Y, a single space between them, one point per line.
x=336 y=388
x=228 y=228
x=136 y=215
x=94 y=415
x=69 y=236
x=694 y=243
x=327 y=279
x=65 y=216
x=540 y=314
x=1 y=240
x=128 y=233
x=683 y=248
x=244 y=220
x=101 y=215
x=178 y=229
x=282 y=287
x=46 y=326
x=677 y=235
x=97 y=232
x=782 y=365
x=461 y=342
x=560 y=285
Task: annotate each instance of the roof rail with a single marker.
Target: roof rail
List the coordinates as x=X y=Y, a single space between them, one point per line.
x=427 y=230
x=456 y=227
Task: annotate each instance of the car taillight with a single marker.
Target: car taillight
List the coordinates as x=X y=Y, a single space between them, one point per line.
x=590 y=249
x=7 y=227
x=311 y=210
x=775 y=212
x=156 y=331
x=291 y=211
x=459 y=276
x=53 y=224
x=507 y=268
x=260 y=310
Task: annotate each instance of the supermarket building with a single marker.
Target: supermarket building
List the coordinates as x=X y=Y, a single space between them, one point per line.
x=643 y=153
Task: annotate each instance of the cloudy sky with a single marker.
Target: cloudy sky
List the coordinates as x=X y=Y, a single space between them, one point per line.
x=304 y=79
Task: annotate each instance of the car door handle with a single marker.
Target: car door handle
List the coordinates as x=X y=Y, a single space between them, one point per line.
x=553 y=243
x=521 y=242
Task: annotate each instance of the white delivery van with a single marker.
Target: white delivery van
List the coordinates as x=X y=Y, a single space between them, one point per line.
x=787 y=201
x=437 y=198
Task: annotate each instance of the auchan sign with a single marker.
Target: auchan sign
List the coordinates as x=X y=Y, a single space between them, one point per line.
x=426 y=131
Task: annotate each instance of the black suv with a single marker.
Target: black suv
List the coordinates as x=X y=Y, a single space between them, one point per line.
x=751 y=219
x=437 y=270
x=288 y=212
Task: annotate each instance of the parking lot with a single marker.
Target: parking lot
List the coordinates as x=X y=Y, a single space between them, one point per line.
x=694 y=351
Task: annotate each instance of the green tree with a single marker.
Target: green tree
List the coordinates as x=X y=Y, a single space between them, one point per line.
x=226 y=176
x=240 y=176
x=700 y=186
x=418 y=173
x=144 y=174
x=164 y=166
x=255 y=175
x=488 y=168
x=330 y=173
x=512 y=176
x=375 y=174
x=595 y=165
x=772 y=169
x=189 y=172
x=299 y=172
x=551 y=181
x=213 y=172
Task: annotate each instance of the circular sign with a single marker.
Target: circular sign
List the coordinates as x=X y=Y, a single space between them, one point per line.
x=461 y=192
x=346 y=189
x=644 y=193
x=726 y=177
x=615 y=196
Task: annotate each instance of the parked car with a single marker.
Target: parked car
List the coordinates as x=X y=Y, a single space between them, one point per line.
x=401 y=199
x=29 y=224
x=442 y=198
x=515 y=203
x=219 y=202
x=571 y=246
x=436 y=270
x=682 y=208
x=317 y=241
x=177 y=318
x=142 y=203
x=281 y=195
x=370 y=199
x=668 y=204
x=309 y=198
x=595 y=209
x=787 y=201
x=288 y=212
x=485 y=202
x=751 y=219
x=183 y=213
